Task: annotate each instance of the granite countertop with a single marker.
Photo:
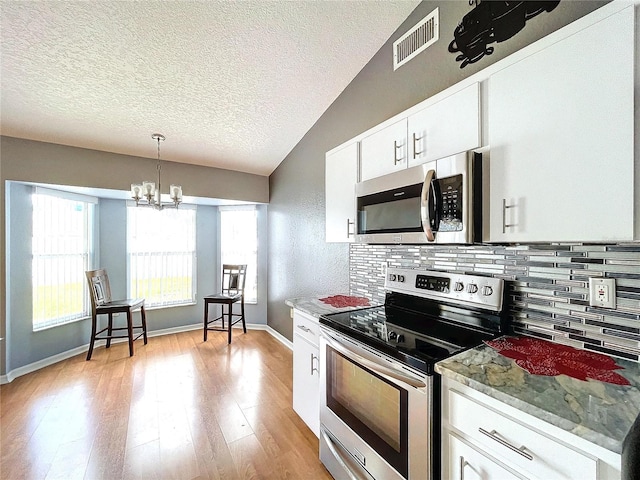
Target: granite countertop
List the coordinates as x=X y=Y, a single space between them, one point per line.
x=315 y=307
x=598 y=411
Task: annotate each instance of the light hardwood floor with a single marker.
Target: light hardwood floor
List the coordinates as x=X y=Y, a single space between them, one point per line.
x=179 y=409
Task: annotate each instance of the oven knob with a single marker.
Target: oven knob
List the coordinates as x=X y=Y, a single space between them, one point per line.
x=487 y=290
x=398 y=338
x=392 y=277
x=458 y=287
x=401 y=278
x=472 y=288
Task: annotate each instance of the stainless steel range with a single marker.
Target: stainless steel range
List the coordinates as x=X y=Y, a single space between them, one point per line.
x=379 y=395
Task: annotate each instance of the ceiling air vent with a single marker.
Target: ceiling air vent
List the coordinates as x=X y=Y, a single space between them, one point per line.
x=421 y=36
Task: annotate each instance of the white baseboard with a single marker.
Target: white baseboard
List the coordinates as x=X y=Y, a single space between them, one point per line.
x=45 y=362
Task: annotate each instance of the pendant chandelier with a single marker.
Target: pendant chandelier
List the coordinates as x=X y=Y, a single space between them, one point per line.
x=147 y=193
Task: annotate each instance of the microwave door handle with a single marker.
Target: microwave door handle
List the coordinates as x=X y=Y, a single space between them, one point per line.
x=424 y=205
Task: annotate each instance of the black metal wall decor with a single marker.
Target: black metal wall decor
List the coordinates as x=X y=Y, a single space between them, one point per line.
x=492 y=21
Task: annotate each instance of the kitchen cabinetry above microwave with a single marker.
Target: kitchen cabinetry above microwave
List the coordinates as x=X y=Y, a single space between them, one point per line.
x=561 y=133
x=446 y=127
x=384 y=151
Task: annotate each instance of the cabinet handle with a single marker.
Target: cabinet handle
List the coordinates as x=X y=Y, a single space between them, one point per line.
x=304 y=329
x=314 y=369
x=396 y=147
x=493 y=435
x=463 y=464
x=504 y=216
x=415 y=150
x=349 y=223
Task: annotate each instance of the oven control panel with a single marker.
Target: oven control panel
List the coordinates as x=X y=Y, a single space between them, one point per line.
x=436 y=284
x=460 y=288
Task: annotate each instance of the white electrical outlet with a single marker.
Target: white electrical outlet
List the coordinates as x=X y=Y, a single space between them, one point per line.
x=602 y=292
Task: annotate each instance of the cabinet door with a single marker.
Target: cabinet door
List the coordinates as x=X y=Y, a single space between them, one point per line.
x=445 y=128
x=306 y=386
x=341 y=175
x=467 y=463
x=384 y=151
x=561 y=132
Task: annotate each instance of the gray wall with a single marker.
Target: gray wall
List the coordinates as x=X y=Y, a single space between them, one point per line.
x=28 y=161
x=300 y=262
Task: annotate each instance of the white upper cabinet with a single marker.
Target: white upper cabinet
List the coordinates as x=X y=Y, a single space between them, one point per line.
x=341 y=175
x=561 y=133
x=447 y=127
x=384 y=151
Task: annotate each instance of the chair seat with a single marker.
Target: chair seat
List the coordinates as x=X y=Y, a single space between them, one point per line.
x=221 y=297
x=125 y=304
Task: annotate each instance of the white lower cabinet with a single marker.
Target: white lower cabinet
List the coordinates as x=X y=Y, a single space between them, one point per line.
x=306 y=376
x=485 y=438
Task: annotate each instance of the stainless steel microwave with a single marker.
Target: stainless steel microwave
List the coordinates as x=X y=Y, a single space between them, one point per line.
x=436 y=202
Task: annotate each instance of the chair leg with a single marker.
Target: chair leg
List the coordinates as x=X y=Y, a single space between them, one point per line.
x=93 y=336
x=109 y=330
x=229 y=316
x=130 y=331
x=144 y=324
x=244 y=325
x=206 y=317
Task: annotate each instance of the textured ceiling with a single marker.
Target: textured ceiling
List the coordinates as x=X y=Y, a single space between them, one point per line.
x=234 y=85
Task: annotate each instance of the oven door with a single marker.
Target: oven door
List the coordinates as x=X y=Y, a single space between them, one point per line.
x=376 y=414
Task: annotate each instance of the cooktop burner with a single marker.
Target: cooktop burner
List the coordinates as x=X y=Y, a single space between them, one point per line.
x=425 y=319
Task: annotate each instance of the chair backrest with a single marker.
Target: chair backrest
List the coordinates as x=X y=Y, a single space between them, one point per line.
x=99 y=288
x=233 y=278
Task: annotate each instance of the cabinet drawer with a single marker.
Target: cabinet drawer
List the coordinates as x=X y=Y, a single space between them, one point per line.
x=527 y=450
x=468 y=463
x=306 y=326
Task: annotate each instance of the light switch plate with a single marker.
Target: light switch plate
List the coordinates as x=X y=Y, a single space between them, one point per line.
x=602 y=292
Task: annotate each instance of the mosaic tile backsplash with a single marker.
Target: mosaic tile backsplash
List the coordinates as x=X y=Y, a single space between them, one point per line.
x=547 y=286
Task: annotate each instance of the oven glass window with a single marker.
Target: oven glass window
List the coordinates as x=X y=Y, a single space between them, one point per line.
x=373 y=407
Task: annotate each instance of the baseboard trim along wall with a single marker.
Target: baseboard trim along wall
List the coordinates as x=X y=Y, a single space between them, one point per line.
x=45 y=362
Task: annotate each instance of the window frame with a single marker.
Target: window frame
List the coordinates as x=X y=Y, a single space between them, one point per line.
x=150 y=304
x=90 y=223
x=253 y=208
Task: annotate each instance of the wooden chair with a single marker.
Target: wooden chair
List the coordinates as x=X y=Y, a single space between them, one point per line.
x=102 y=304
x=233 y=281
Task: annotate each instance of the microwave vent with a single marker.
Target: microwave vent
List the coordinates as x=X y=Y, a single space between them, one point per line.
x=419 y=38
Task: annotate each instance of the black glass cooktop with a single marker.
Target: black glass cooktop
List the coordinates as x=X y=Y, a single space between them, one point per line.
x=418 y=338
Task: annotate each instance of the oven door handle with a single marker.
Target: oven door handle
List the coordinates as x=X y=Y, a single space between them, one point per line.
x=343 y=460
x=424 y=205
x=372 y=363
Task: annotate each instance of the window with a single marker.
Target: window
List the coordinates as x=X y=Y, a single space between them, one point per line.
x=62 y=247
x=161 y=255
x=239 y=243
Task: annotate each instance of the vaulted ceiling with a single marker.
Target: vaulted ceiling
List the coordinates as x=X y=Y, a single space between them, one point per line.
x=231 y=84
